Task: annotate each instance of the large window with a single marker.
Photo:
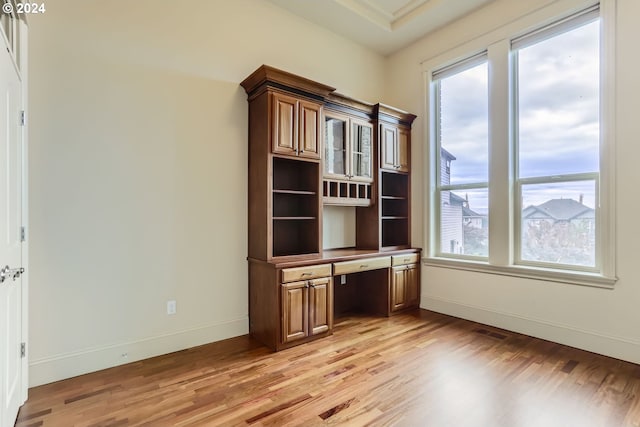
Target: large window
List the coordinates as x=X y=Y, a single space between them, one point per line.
x=558 y=140
x=516 y=147
x=463 y=173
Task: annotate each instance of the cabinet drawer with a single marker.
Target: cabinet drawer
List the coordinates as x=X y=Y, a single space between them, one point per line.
x=304 y=273
x=405 y=259
x=364 y=264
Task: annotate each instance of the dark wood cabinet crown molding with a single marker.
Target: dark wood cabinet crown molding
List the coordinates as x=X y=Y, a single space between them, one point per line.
x=273 y=77
x=394 y=115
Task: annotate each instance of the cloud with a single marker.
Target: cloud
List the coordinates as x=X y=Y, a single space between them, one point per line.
x=558 y=110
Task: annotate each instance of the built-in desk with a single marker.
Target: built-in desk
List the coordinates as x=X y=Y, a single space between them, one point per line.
x=292 y=301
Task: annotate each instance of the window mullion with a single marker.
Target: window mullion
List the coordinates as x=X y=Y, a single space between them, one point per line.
x=500 y=156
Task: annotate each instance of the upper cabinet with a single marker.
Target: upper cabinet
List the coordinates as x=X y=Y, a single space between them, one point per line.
x=309 y=147
x=297 y=127
x=394 y=148
x=348 y=148
x=285 y=176
x=350 y=151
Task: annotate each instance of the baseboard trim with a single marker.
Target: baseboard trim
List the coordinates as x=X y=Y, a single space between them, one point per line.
x=63 y=366
x=617 y=347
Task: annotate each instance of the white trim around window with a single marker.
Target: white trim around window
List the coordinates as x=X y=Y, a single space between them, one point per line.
x=504 y=256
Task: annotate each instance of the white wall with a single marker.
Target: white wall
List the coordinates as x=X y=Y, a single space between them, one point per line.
x=600 y=320
x=138 y=169
x=338 y=227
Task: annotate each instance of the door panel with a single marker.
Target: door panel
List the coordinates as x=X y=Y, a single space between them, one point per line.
x=320 y=305
x=388 y=147
x=336 y=141
x=403 y=150
x=310 y=130
x=413 y=285
x=294 y=311
x=10 y=240
x=285 y=124
x=361 y=148
x=398 y=288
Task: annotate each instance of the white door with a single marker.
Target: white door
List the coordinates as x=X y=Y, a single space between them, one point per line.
x=10 y=241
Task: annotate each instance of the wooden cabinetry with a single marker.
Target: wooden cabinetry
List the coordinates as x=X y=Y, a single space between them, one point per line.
x=307 y=308
x=394 y=210
x=285 y=133
x=310 y=146
x=387 y=224
x=297 y=127
x=295 y=208
x=348 y=152
x=405 y=287
x=394 y=148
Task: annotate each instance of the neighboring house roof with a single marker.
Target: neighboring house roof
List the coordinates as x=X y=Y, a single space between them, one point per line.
x=456 y=200
x=447 y=155
x=468 y=213
x=559 y=210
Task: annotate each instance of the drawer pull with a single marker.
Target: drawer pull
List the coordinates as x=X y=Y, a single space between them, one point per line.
x=307 y=274
x=364 y=265
x=407 y=259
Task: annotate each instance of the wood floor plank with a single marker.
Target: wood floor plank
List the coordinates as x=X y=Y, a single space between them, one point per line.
x=416 y=369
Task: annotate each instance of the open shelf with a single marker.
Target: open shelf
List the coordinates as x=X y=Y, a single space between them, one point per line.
x=295 y=207
x=297 y=236
x=395 y=185
x=395 y=209
x=336 y=192
x=294 y=192
x=395 y=232
x=295 y=204
x=295 y=176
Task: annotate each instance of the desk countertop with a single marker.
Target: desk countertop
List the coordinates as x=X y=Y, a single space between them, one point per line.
x=336 y=255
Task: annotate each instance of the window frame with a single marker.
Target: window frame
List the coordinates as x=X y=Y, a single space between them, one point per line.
x=504 y=187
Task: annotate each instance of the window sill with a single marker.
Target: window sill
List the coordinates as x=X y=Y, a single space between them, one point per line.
x=525 y=272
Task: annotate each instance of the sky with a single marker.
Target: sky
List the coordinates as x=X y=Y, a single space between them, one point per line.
x=558 y=118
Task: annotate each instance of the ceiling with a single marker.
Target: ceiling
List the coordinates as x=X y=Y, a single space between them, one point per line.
x=382 y=25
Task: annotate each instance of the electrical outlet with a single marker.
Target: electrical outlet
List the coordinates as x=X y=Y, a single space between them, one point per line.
x=124 y=356
x=343 y=279
x=171 y=307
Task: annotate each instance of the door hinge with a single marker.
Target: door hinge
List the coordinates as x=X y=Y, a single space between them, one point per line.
x=23 y=350
x=22 y=118
x=23 y=234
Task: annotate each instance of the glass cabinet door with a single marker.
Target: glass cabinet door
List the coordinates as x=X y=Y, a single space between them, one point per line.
x=335 y=146
x=361 y=143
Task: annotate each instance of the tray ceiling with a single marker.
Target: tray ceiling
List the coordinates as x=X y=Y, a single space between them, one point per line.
x=382 y=25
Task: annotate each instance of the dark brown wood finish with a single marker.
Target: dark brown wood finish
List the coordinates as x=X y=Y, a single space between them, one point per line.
x=259 y=203
x=286 y=191
x=280 y=311
x=415 y=369
x=387 y=224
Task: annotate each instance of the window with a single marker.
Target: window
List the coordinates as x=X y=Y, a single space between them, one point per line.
x=518 y=169
x=558 y=140
x=463 y=141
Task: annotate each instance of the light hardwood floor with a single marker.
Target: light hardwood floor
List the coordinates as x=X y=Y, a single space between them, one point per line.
x=415 y=369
